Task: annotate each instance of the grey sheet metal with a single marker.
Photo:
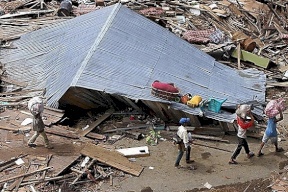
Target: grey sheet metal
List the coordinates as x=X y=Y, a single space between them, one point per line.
x=117 y=51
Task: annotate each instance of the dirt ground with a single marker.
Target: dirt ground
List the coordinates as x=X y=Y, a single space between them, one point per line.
x=159 y=172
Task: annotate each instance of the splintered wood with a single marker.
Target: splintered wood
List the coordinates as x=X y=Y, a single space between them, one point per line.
x=111 y=158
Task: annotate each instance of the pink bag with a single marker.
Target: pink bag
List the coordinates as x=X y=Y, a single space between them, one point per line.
x=271 y=109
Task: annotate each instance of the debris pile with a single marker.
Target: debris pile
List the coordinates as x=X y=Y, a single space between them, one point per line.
x=253 y=32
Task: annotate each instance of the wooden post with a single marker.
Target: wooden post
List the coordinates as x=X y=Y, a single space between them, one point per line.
x=238 y=55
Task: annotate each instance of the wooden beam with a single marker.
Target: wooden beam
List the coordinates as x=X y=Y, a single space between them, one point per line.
x=194 y=143
x=209 y=138
x=5 y=79
x=127 y=128
x=97 y=122
x=96 y=136
x=25 y=174
x=49 y=157
x=111 y=158
x=247 y=56
x=83 y=171
x=239 y=56
x=68 y=166
x=61 y=132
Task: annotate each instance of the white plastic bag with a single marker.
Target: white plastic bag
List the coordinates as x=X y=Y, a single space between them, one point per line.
x=35 y=105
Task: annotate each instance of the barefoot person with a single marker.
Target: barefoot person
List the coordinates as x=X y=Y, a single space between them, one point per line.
x=271 y=133
x=245 y=120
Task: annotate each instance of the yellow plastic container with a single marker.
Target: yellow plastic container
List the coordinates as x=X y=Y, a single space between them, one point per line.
x=194 y=101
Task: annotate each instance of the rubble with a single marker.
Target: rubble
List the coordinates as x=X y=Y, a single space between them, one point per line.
x=255 y=33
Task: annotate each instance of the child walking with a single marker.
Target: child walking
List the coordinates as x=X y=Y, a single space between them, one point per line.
x=245 y=120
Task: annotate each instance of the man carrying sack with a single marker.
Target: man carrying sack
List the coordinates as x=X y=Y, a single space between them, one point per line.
x=36 y=107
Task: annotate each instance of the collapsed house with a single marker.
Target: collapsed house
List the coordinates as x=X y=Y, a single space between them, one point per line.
x=113 y=55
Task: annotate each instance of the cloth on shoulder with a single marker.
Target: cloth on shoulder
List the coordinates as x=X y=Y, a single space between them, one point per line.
x=244 y=124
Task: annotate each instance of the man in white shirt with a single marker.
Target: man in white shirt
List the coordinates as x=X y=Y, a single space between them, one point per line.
x=186 y=141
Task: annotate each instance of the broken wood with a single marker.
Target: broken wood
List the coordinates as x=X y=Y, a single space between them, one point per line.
x=107 y=114
x=49 y=157
x=7 y=166
x=112 y=158
x=57 y=178
x=69 y=165
x=127 y=128
x=25 y=13
x=210 y=138
x=212 y=147
x=238 y=56
x=12 y=160
x=82 y=172
x=257 y=60
x=16 y=129
x=77 y=171
x=96 y=136
x=61 y=132
x=134 y=135
x=25 y=174
x=7 y=80
x=18 y=182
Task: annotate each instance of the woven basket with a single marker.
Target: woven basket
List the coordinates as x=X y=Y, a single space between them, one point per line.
x=165 y=94
x=215 y=105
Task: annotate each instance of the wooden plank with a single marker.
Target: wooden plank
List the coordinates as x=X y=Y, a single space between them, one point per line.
x=61 y=132
x=257 y=60
x=65 y=168
x=8 y=15
x=97 y=122
x=20 y=92
x=16 y=129
x=93 y=161
x=283 y=68
x=111 y=158
x=127 y=128
x=239 y=56
x=5 y=79
x=278 y=84
x=209 y=138
x=25 y=174
x=49 y=157
x=17 y=182
x=96 y=136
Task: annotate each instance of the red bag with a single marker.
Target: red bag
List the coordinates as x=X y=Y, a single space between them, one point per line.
x=169 y=87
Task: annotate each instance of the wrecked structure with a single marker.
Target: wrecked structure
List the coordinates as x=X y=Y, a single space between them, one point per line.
x=108 y=56
x=92 y=63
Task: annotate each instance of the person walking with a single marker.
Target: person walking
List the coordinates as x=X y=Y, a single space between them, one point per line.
x=184 y=145
x=36 y=107
x=245 y=120
x=271 y=133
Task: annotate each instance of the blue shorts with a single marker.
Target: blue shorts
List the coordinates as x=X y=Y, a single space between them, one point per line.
x=265 y=139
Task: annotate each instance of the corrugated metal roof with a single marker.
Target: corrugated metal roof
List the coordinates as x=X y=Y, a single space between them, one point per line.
x=118 y=51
